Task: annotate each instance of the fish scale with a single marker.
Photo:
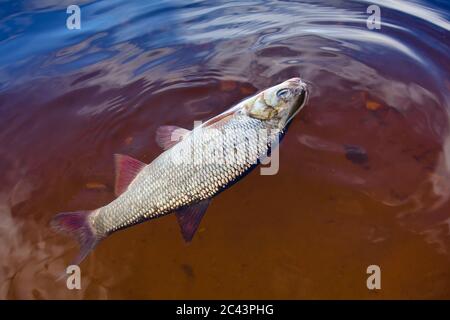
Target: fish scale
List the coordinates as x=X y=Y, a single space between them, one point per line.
x=166 y=185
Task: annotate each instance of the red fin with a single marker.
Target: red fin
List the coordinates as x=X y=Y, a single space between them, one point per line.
x=168 y=136
x=127 y=168
x=76 y=224
x=189 y=218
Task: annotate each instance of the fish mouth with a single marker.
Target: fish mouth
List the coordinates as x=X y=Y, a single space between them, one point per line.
x=299 y=103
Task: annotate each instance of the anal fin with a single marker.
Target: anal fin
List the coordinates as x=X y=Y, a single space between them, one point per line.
x=189 y=218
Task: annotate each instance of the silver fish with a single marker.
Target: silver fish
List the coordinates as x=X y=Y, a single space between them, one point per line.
x=195 y=166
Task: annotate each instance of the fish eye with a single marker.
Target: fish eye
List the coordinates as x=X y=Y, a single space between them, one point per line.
x=283 y=93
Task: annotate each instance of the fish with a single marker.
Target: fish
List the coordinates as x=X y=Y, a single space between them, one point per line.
x=194 y=167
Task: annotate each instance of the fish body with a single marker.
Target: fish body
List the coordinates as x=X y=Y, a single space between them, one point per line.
x=183 y=175
x=196 y=165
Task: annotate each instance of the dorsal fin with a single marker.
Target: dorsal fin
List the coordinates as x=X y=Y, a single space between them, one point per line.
x=127 y=168
x=168 y=136
x=213 y=122
x=189 y=218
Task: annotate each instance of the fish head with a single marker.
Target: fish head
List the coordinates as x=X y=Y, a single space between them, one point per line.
x=278 y=104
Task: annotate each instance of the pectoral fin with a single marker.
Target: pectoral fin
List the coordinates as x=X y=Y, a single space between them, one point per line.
x=190 y=217
x=168 y=136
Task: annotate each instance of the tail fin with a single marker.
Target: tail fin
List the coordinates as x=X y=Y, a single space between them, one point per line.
x=77 y=225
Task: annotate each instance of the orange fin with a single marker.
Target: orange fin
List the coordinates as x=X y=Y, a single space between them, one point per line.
x=127 y=168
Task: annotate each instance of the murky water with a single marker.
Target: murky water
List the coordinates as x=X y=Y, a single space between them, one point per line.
x=364 y=172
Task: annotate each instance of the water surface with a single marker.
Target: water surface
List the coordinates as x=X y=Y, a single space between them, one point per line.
x=364 y=170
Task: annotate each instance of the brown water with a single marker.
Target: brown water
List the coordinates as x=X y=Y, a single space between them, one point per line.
x=364 y=169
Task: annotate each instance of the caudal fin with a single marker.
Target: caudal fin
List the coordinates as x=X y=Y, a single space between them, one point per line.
x=77 y=225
